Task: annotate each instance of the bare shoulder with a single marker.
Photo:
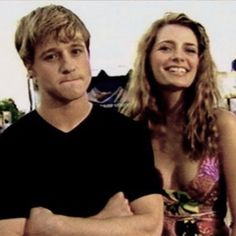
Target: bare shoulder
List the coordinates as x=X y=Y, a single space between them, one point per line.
x=226 y=123
x=226 y=120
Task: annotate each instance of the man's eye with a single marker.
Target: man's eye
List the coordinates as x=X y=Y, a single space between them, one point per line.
x=77 y=51
x=51 y=57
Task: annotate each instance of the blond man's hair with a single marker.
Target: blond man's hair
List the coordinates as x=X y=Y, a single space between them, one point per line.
x=52 y=20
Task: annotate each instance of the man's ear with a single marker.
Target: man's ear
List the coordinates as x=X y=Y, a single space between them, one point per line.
x=30 y=71
x=29 y=75
x=32 y=75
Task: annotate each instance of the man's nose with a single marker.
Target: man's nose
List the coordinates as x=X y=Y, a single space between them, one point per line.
x=67 y=65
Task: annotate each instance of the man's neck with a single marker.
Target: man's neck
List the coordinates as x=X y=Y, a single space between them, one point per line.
x=65 y=117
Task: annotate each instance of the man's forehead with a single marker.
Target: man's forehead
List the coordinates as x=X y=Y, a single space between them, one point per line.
x=62 y=38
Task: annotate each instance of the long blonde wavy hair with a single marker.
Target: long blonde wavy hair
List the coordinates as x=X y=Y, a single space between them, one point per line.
x=200 y=131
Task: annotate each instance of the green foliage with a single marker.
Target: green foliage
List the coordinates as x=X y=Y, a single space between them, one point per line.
x=9 y=105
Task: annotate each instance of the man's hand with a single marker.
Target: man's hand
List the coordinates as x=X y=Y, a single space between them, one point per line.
x=116 y=206
x=40 y=223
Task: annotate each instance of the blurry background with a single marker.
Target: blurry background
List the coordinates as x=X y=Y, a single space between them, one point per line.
x=115 y=27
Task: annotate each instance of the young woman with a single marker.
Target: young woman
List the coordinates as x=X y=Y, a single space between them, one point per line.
x=173 y=89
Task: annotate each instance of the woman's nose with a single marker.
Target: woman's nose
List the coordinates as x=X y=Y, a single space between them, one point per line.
x=178 y=55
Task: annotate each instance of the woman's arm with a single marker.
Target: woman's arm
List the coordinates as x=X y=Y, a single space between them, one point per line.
x=227 y=132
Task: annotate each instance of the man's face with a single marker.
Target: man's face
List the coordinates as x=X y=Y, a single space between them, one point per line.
x=62 y=69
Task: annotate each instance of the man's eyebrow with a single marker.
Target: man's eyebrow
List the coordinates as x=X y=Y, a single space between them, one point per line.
x=49 y=50
x=79 y=43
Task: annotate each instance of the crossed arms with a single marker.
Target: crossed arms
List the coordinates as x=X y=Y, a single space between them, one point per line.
x=143 y=216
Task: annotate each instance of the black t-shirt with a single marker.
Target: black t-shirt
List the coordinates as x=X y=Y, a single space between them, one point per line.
x=74 y=173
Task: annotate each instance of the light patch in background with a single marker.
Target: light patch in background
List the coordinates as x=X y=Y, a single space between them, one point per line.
x=115 y=27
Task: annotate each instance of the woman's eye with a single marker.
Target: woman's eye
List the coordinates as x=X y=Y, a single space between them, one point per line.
x=191 y=50
x=164 y=48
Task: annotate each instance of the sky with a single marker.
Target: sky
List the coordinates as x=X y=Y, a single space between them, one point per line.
x=115 y=27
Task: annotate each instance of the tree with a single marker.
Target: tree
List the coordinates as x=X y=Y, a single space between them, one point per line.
x=9 y=105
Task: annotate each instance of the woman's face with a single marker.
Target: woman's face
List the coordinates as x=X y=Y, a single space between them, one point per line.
x=174 y=57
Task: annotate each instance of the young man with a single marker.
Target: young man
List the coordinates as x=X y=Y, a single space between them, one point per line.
x=73 y=168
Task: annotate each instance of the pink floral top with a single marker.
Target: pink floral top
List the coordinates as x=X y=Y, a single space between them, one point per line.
x=200 y=209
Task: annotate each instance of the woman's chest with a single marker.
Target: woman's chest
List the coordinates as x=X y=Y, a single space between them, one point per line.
x=176 y=168
x=176 y=174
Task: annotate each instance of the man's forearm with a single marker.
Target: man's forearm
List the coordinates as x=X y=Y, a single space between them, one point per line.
x=12 y=227
x=117 y=226
x=146 y=219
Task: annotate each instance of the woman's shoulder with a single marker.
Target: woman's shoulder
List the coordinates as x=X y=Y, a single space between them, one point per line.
x=226 y=120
